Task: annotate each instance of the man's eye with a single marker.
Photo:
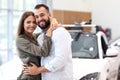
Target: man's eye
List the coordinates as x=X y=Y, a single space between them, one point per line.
x=42 y=15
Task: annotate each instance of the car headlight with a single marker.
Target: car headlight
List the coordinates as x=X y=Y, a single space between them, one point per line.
x=91 y=76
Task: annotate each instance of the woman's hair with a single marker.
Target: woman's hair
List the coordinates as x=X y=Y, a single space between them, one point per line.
x=21 y=22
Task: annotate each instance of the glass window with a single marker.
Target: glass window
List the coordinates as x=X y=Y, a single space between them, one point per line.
x=29 y=4
x=9 y=18
x=18 y=5
x=16 y=18
x=3 y=4
x=84 y=45
x=3 y=36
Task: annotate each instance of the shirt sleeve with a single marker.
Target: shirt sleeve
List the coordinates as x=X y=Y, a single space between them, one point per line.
x=26 y=46
x=62 y=43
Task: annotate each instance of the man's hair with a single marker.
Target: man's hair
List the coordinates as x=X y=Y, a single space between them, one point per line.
x=41 y=5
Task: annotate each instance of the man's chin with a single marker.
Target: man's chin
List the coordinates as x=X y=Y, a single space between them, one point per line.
x=42 y=27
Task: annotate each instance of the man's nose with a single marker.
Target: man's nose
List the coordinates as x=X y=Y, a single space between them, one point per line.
x=41 y=18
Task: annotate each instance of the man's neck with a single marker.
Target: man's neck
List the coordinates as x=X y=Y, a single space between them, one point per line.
x=44 y=30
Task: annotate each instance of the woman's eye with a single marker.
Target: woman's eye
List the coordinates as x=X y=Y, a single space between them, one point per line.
x=28 y=21
x=34 y=22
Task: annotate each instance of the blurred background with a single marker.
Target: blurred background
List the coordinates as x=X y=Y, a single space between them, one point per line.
x=105 y=13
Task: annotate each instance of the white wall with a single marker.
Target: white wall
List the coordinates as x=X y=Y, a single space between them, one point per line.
x=107 y=14
x=104 y=12
x=73 y=5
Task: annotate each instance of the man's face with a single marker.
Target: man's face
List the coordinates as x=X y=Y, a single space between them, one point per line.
x=42 y=17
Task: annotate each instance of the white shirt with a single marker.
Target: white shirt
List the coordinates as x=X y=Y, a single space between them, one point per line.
x=59 y=62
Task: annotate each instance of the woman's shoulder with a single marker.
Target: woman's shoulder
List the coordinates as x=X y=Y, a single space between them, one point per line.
x=21 y=38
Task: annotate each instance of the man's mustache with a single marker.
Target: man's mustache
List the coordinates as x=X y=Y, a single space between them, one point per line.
x=43 y=20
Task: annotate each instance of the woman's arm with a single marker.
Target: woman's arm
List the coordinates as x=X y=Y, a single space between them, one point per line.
x=25 y=46
x=28 y=47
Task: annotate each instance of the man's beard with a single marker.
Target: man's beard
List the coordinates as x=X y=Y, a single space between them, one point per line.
x=47 y=24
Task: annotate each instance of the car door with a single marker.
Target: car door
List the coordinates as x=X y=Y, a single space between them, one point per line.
x=112 y=67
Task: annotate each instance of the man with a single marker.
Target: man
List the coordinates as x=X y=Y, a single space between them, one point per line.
x=58 y=65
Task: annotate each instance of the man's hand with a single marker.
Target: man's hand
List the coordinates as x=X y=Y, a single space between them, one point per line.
x=31 y=70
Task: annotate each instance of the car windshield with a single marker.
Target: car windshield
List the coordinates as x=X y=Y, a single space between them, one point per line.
x=84 y=45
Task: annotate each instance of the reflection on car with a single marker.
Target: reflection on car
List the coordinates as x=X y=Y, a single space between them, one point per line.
x=85 y=46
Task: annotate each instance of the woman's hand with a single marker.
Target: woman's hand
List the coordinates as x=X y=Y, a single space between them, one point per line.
x=53 y=26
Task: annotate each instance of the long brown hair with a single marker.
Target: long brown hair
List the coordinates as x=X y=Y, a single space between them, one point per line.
x=21 y=22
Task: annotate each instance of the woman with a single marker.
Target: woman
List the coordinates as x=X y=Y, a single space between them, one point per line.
x=27 y=45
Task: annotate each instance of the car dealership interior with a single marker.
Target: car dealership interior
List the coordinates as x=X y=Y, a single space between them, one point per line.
x=102 y=14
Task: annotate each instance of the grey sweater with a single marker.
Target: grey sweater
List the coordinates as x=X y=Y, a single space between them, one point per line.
x=29 y=51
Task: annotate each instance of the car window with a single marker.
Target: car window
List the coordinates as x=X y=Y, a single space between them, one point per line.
x=84 y=45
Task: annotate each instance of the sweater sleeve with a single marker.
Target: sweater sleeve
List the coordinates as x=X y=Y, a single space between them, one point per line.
x=28 y=47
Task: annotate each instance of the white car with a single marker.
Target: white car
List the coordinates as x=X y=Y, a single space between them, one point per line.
x=115 y=42
x=93 y=59
x=11 y=70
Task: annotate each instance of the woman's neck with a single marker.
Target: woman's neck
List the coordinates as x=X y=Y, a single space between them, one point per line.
x=29 y=35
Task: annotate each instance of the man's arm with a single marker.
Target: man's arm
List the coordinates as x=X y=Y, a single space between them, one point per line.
x=34 y=70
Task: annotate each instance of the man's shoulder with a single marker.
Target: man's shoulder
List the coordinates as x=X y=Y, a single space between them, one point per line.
x=59 y=29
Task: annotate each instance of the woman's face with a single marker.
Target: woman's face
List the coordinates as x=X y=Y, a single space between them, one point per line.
x=30 y=24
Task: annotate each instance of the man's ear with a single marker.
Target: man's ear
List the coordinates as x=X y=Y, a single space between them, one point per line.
x=50 y=15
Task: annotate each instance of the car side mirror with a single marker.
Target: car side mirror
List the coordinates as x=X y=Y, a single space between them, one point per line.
x=117 y=44
x=112 y=52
